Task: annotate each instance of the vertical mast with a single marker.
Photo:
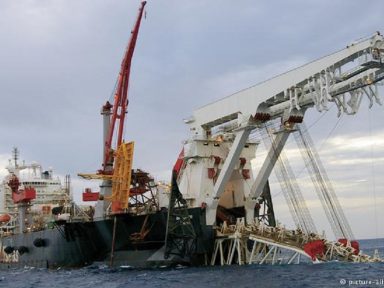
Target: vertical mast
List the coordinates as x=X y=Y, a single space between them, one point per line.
x=120 y=104
x=15 y=155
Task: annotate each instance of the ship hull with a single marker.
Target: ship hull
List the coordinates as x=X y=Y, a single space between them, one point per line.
x=138 y=242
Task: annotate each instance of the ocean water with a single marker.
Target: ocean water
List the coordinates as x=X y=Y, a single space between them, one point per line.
x=333 y=274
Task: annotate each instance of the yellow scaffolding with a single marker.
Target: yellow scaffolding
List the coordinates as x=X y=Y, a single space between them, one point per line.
x=121 y=178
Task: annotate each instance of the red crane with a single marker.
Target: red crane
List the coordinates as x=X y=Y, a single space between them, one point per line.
x=119 y=108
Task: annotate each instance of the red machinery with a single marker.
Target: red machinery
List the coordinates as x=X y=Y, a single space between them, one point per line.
x=354 y=244
x=315 y=249
x=119 y=108
x=88 y=195
x=21 y=195
x=117 y=161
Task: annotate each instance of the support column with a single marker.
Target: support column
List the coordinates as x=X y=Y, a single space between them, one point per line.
x=106 y=113
x=22 y=215
x=226 y=172
x=265 y=172
x=106 y=185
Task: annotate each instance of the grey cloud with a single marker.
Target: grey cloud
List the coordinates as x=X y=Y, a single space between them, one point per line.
x=59 y=61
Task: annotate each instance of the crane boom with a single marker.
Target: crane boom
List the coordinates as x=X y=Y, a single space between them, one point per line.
x=218 y=154
x=270 y=98
x=120 y=104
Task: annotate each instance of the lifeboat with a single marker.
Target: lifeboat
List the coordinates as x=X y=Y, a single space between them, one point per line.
x=4 y=218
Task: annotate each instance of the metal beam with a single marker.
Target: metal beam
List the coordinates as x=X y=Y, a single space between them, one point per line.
x=230 y=161
x=248 y=100
x=265 y=172
x=226 y=172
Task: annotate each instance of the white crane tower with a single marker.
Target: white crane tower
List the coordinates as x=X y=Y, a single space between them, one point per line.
x=217 y=158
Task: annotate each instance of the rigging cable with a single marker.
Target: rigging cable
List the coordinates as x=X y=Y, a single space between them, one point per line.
x=324 y=189
x=288 y=182
x=306 y=130
x=373 y=174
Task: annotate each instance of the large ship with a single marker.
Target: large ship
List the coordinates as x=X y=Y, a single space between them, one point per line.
x=32 y=200
x=126 y=226
x=40 y=225
x=218 y=208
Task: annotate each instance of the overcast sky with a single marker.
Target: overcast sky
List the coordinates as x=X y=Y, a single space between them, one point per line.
x=59 y=61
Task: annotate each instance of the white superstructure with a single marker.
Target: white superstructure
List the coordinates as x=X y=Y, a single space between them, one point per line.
x=49 y=190
x=216 y=161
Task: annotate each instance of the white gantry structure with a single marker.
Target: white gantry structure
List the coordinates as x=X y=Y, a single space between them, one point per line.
x=216 y=169
x=256 y=243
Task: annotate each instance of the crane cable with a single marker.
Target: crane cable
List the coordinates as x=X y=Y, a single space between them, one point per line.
x=291 y=191
x=254 y=135
x=308 y=128
x=324 y=189
x=373 y=174
x=324 y=141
